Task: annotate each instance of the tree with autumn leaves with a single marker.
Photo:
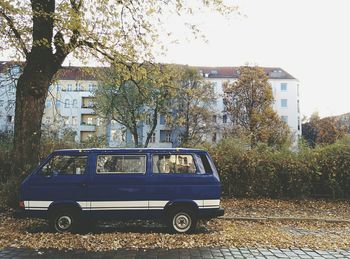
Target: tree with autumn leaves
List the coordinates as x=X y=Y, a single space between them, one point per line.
x=248 y=102
x=42 y=33
x=325 y=131
x=192 y=107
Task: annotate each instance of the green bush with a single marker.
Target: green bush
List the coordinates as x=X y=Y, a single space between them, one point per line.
x=265 y=172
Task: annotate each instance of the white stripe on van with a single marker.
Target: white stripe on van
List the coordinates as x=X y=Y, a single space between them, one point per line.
x=121 y=205
x=38 y=204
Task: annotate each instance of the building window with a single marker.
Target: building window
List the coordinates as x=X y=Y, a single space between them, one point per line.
x=89 y=121
x=297 y=89
x=48 y=103
x=214 y=118
x=58 y=87
x=10 y=118
x=162 y=119
x=78 y=87
x=224 y=118
x=284 y=87
x=284 y=103
x=91 y=87
x=153 y=138
x=58 y=104
x=165 y=136
x=75 y=103
x=113 y=136
x=66 y=103
x=74 y=120
x=284 y=118
x=66 y=120
x=298 y=106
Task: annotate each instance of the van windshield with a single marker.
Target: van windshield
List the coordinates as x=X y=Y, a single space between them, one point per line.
x=65 y=165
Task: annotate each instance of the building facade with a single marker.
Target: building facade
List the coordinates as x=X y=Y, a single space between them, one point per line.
x=70 y=106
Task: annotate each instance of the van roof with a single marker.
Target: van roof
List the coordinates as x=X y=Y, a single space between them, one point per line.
x=128 y=150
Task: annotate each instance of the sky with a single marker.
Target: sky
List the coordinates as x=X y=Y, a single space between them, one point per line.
x=310 y=39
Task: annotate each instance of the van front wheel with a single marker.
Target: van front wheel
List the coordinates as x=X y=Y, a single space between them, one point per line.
x=63 y=221
x=182 y=221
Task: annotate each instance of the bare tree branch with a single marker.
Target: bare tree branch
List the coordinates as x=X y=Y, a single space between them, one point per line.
x=15 y=31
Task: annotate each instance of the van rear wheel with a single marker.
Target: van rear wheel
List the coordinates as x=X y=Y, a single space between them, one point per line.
x=63 y=221
x=182 y=220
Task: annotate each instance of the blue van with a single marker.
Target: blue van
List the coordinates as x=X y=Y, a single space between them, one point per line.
x=177 y=185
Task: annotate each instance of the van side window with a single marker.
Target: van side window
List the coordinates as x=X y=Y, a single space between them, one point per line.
x=120 y=164
x=65 y=165
x=174 y=164
x=206 y=164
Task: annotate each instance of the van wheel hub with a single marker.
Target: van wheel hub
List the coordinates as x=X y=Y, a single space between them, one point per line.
x=182 y=222
x=64 y=222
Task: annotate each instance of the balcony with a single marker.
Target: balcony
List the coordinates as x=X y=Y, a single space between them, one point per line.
x=84 y=126
x=87 y=110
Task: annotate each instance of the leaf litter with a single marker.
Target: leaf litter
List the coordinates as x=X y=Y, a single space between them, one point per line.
x=34 y=233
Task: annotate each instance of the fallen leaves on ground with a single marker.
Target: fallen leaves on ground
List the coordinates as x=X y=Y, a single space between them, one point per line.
x=337 y=210
x=34 y=233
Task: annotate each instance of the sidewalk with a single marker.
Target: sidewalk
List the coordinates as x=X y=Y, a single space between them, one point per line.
x=177 y=253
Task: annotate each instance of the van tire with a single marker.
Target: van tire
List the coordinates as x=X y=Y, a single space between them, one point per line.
x=64 y=220
x=181 y=220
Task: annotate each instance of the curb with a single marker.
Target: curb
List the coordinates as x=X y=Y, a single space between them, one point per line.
x=284 y=219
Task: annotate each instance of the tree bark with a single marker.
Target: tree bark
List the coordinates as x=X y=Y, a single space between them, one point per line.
x=154 y=125
x=136 y=137
x=32 y=89
x=32 y=86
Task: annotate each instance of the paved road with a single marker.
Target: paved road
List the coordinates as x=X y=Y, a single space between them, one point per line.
x=176 y=253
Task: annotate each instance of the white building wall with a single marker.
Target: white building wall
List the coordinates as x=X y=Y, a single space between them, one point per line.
x=291 y=113
x=55 y=114
x=7 y=99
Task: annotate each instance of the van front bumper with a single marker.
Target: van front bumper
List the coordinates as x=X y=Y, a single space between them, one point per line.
x=220 y=212
x=211 y=213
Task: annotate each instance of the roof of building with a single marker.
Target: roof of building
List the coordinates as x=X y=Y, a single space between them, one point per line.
x=233 y=72
x=89 y=73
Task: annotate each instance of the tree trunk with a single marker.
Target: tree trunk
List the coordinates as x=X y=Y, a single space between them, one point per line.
x=32 y=86
x=154 y=125
x=31 y=93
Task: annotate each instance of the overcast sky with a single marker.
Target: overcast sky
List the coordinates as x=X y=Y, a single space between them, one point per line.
x=308 y=38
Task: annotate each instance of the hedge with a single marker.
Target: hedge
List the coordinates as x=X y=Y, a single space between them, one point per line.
x=264 y=172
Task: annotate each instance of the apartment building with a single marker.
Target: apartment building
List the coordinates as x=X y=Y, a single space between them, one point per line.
x=285 y=89
x=8 y=77
x=70 y=105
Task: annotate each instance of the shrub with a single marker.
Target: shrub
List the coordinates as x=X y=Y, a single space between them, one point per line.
x=265 y=172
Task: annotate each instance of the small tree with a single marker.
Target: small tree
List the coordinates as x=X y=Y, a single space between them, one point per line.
x=132 y=101
x=323 y=131
x=249 y=102
x=192 y=106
